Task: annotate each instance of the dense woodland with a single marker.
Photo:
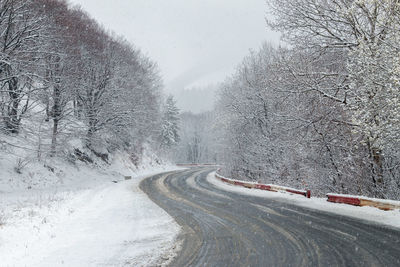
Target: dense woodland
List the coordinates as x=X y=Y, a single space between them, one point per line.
x=322 y=112
x=63 y=77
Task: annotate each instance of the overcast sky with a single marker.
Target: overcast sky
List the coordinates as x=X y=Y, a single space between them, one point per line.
x=194 y=42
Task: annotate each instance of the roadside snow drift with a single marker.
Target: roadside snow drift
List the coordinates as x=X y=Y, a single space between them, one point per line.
x=111 y=224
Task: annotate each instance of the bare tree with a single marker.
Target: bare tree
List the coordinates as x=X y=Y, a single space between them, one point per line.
x=20 y=26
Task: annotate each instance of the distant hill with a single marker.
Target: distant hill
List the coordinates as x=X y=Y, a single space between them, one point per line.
x=197 y=99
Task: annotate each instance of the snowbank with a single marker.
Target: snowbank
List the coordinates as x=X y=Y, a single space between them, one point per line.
x=83 y=217
x=389 y=218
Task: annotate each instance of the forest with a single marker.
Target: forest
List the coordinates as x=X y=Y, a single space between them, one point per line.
x=65 y=79
x=319 y=111
x=322 y=110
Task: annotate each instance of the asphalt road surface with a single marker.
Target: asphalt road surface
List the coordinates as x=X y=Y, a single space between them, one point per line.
x=222 y=228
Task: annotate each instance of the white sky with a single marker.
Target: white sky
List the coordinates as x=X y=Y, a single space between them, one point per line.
x=194 y=42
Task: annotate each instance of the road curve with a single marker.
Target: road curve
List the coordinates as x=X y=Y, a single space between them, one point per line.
x=223 y=228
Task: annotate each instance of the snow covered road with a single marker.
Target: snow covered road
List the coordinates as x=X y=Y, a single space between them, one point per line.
x=224 y=228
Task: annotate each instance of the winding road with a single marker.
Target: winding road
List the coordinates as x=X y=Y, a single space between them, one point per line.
x=221 y=228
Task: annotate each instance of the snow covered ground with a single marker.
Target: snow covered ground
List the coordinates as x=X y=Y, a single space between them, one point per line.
x=80 y=216
x=389 y=218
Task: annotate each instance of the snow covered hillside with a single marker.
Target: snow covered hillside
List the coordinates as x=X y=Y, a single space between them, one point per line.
x=76 y=208
x=77 y=215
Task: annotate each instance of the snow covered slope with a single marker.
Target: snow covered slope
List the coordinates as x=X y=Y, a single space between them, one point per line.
x=82 y=216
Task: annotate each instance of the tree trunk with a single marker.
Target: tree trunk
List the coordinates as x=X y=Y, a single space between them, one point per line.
x=376 y=160
x=90 y=133
x=56 y=113
x=12 y=120
x=53 y=150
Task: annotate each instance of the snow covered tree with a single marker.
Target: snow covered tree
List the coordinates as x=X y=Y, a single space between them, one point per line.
x=59 y=65
x=282 y=120
x=197 y=139
x=75 y=80
x=367 y=32
x=170 y=124
x=20 y=28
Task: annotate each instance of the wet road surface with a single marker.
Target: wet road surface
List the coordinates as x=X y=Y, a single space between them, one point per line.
x=221 y=228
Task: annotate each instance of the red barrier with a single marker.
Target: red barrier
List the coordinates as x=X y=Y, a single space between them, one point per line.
x=264 y=187
x=239 y=183
x=382 y=204
x=342 y=199
x=306 y=193
x=299 y=192
x=273 y=188
x=196 y=164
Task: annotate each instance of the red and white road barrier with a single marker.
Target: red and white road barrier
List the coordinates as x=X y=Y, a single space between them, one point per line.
x=383 y=204
x=268 y=187
x=196 y=165
x=361 y=201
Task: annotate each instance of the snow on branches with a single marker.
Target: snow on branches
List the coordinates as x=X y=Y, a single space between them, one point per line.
x=326 y=111
x=64 y=77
